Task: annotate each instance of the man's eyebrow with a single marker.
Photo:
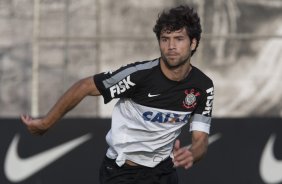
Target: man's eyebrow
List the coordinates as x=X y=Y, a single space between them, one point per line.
x=177 y=36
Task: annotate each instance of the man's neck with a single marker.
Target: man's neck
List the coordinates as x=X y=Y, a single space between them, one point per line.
x=176 y=74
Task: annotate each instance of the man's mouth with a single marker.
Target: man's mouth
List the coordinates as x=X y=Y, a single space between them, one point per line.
x=172 y=54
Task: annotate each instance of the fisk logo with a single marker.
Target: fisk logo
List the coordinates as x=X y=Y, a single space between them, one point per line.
x=209 y=102
x=165 y=117
x=121 y=86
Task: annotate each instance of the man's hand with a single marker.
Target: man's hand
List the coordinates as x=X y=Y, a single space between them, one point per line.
x=34 y=126
x=182 y=156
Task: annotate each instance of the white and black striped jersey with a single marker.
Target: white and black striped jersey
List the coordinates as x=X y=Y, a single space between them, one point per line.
x=152 y=109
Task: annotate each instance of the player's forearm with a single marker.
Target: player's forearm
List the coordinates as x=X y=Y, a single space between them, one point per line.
x=68 y=101
x=199 y=146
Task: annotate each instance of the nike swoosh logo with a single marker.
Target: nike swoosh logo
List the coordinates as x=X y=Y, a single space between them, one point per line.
x=270 y=167
x=18 y=169
x=150 y=95
x=211 y=139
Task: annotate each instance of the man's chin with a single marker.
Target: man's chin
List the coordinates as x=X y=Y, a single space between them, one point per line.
x=172 y=64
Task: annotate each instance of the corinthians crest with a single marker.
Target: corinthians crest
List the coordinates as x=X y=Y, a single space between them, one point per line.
x=190 y=100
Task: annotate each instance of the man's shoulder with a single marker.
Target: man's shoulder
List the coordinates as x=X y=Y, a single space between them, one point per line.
x=136 y=66
x=201 y=80
x=201 y=75
x=146 y=64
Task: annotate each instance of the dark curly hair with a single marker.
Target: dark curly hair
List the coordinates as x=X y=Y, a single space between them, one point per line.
x=177 y=18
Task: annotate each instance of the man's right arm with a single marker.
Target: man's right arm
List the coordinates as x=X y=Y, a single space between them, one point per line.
x=72 y=97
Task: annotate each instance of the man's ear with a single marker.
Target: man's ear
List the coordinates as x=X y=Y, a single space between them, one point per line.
x=193 y=44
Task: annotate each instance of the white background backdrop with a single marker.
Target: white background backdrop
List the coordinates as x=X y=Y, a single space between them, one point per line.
x=240 y=50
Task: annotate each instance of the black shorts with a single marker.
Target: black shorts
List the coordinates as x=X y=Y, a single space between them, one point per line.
x=163 y=173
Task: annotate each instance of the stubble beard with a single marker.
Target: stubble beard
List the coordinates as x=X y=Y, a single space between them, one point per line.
x=180 y=62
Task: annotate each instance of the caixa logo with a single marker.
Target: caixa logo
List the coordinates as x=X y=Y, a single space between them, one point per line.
x=208 y=107
x=160 y=117
x=121 y=86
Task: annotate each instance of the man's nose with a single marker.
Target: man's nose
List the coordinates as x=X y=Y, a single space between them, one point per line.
x=171 y=44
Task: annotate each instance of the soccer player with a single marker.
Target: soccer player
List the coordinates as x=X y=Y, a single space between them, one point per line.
x=156 y=99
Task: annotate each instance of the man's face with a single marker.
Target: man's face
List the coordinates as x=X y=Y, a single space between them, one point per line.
x=175 y=47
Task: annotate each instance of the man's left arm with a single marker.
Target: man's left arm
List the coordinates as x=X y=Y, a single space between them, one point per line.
x=200 y=128
x=199 y=145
